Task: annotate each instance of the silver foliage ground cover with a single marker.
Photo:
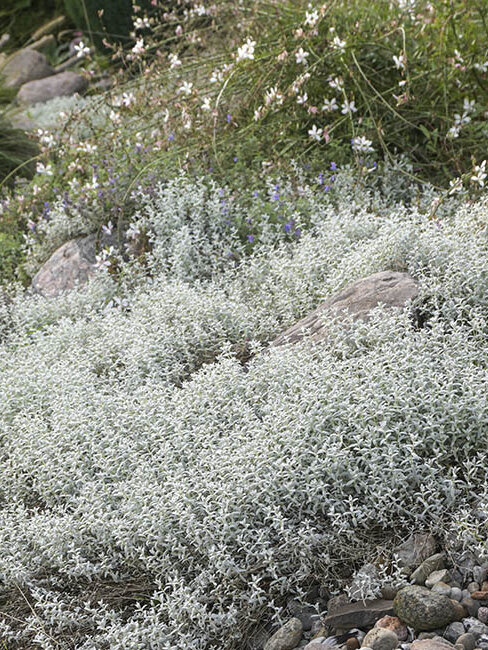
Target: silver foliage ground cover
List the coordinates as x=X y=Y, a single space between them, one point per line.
x=136 y=445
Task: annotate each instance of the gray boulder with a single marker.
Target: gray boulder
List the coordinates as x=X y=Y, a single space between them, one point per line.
x=422 y=609
x=64 y=83
x=387 y=288
x=71 y=265
x=25 y=66
x=413 y=551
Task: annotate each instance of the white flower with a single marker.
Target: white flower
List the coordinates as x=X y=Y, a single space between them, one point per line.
x=114 y=117
x=460 y=120
x=133 y=231
x=479 y=174
x=272 y=95
x=139 y=47
x=102 y=260
x=206 y=104
x=362 y=144
x=199 y=10
x=468 y=106
x=400 y=62
x=301 y=99
x=336 y=83
x=128 y=99
x=217 y=75
x=301 y=56
x=44 y=169
x=174 y=61
x=481 y=67
x=257 y=113
x=455 y=185
x=338 y=44
x=348 y=107
x=73 y=184
x=246 y=51
x=108 y=228
x=330 y=105
x=311 y=17
x=454 y=132
x=142 y=23
x=185 y=88
x=46 y=138
x=315 y=133
x=81 y=49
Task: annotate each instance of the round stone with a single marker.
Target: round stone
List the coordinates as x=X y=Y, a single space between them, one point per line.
x=453 y=631
x=380 y=639
x=422 y=609
x=456 y=594
x=467 y=641
x=442 y=588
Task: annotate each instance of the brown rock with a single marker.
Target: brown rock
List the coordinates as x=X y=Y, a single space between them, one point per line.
x=393 y=624
x=387 y=288
x=352 y=643
x=471 y=606
x=25 y=66
x=64 y=83
x=480 y=595
x=359 y=614
x=460 y=612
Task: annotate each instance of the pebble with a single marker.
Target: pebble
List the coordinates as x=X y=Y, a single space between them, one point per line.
x=473 y=586
x=467 y=640
x=453 y=631
x=380 y=639
x=352 y=643
x=475 y=627
x=456 y=594
x=471 y=606
x=479 y=595
x=483 y=614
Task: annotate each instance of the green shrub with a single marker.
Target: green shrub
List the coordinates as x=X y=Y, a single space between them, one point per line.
x=115 y=24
